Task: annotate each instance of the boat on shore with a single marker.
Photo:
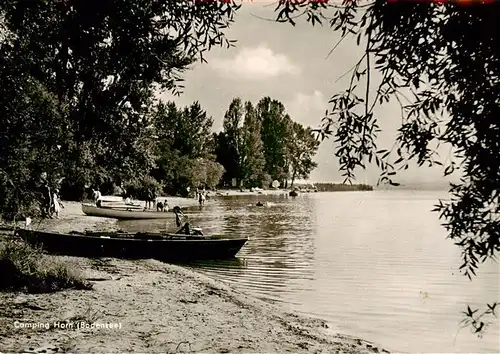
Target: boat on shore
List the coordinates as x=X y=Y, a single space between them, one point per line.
x=125 y=212
x=141 y=245
x=111 y=199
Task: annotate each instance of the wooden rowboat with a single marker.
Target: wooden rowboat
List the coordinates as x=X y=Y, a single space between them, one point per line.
x=125 y=212
x=135 y=245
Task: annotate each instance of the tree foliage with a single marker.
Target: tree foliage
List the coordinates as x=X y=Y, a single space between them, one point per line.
x=302 y=146
x=205 y=173
x=28 y=142
x=261 y=143
x=233 y=139
x=142 y=188
x=182 y=142
x=186 y=130
x=440 y=62
x=99 y=62
x=275 y=131
x=252 y=171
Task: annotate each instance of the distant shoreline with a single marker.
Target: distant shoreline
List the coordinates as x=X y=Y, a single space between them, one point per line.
x=300 y=188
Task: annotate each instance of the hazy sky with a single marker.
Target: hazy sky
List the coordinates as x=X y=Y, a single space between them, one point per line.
x=289 y=64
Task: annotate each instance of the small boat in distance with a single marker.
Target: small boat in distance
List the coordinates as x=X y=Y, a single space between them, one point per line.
x=160 y=246
x=125 y=212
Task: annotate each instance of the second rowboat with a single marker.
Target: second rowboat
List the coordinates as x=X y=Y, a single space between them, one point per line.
x=124 y=212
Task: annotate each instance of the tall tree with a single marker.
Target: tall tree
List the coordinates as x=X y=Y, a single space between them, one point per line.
x=288 y=150
x=30 y=139
x=223 y=156
x=233 y=120
x=302 y=147
x=183 y=141
x=253 y=161
x=440 y=62
x=274 y=131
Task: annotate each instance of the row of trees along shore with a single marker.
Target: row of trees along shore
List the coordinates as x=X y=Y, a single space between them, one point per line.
x=258 y=144
x=174 y=149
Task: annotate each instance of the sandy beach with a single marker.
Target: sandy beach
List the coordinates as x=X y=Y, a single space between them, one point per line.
x=150 y=306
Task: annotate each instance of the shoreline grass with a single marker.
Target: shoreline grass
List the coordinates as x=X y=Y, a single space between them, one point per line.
x=28 y=269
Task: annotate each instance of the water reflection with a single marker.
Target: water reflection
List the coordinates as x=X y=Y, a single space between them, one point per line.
x=230 y=265
x=376 y=265
x=279 y=254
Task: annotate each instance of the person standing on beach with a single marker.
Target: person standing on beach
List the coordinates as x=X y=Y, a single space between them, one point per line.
x=45 y=195
x=150 y=201
x=97 y=197
x=165 y=205
x=57 y=205
x=201 y=197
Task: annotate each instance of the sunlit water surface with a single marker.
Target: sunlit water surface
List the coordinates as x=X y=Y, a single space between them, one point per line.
x=376 y=265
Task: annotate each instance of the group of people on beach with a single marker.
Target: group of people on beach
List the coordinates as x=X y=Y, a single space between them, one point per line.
x=159 y=204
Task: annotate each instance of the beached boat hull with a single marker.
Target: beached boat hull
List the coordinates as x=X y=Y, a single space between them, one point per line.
x=124 y=212
x=135 y=246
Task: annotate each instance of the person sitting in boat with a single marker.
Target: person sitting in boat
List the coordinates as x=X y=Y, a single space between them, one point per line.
x=179 y=215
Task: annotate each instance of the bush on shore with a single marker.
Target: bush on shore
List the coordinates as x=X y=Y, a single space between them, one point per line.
x=24 y=268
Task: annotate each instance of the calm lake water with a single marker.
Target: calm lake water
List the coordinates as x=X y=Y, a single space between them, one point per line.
x=376 y=265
